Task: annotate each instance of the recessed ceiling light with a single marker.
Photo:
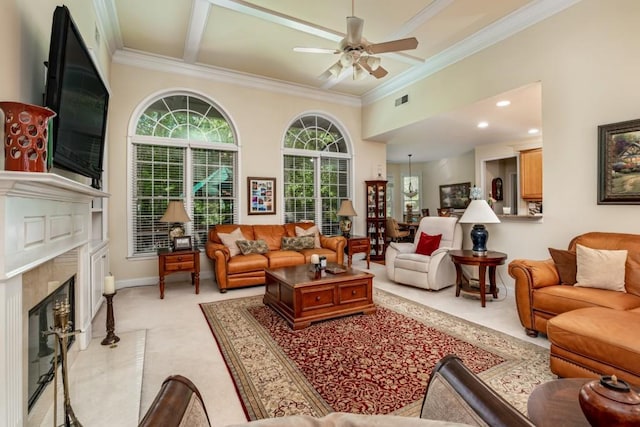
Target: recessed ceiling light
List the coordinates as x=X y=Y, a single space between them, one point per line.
x=483 y=125
x=533 y=131
x=503 y=103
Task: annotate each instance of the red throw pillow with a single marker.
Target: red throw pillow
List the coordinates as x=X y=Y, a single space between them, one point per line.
x=427 y=244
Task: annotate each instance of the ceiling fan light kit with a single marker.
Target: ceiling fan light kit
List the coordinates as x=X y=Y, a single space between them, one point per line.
x=359 y=72
x=358 y=53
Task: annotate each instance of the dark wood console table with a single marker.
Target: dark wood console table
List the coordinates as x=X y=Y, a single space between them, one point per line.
x=491 y=260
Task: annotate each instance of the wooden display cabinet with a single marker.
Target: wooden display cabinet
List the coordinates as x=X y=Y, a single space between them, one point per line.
x=376 y=192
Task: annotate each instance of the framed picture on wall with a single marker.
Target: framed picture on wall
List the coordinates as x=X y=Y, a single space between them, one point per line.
x=455 y=196
x=619 y=163
x=262 y=196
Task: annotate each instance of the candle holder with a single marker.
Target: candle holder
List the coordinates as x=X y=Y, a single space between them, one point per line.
x=111 y=337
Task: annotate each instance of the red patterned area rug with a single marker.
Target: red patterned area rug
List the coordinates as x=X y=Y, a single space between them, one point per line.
x=371 y=364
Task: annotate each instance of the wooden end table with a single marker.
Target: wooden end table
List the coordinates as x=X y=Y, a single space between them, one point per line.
x=300 y=298
x=555 y=403
x=491 y=260
x=358 y=244
x=174 y=261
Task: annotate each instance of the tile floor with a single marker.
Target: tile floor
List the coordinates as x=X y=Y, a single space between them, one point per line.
x=177 y=340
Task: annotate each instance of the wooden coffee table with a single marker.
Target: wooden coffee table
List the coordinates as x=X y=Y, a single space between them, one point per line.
x=296 y=295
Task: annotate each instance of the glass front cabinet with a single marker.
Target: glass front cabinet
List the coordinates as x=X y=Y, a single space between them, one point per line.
x=377 y=217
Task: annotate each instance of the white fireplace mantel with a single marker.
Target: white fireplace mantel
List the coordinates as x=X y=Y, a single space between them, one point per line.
x=42 y=216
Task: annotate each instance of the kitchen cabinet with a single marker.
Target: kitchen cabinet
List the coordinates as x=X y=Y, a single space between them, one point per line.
x=531 y=174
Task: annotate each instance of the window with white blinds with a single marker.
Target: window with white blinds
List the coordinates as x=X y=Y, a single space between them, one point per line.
x=184 y=149
x=317 y=171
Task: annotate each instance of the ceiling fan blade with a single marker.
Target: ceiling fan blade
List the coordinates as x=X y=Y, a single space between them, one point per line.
x=354 y=30
x=393 y=46
x=378 y=73
x=314 y=50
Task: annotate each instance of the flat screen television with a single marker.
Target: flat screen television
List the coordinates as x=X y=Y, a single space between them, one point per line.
x=78 y=95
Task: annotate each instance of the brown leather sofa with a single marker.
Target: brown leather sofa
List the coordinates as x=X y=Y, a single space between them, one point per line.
x=592 y=331
x=454 y=396
x=248 y=270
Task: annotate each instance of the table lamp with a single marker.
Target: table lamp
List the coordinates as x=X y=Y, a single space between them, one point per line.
x=176 y=214
x=346 y=211
x=479 y=213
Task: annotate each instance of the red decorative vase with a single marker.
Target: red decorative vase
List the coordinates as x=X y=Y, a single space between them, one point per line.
x=25 y=133
x=610 y=402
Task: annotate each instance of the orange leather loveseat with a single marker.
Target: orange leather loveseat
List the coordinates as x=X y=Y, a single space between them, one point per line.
x=593 y=331
x=235 y=271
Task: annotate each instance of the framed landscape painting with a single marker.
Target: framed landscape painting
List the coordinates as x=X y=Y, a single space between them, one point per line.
x=619 y=163
x=455 y=196
x=262 y=196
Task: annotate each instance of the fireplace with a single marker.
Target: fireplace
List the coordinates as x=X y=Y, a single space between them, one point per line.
x=47 y=247
x=42 y=352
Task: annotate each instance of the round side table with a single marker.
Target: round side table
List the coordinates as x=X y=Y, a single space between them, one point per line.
x=555 y=403
x=491 y=259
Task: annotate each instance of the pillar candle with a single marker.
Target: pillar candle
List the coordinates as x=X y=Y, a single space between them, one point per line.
x=109 y=285
x=315 y=259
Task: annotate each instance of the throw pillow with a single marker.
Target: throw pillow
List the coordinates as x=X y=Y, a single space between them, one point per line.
x=229 y=240
x=298 y=243
x=253 y=246
x=311 y=231
x=598 y=268
x=427 y=243
x=565 y=264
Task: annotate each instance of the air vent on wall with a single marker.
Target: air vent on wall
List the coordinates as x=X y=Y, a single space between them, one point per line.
x=402 y=100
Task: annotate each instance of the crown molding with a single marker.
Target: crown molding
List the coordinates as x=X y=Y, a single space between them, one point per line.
x=170 y=65
x=503 y=28
x=107 y=21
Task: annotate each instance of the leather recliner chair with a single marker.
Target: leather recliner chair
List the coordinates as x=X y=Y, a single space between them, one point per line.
x=435 y=271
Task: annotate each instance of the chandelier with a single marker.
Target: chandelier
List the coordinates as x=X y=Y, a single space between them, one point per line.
x=411 y=192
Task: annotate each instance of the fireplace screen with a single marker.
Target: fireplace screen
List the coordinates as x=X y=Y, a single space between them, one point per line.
x=41 y=346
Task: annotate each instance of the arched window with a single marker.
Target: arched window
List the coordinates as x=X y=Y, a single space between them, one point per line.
x=317 y=171
x=184 y=148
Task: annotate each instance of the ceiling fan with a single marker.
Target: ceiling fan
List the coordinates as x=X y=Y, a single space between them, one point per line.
x=357 y=52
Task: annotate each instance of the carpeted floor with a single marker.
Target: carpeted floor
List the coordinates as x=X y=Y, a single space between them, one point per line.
x=361 y=364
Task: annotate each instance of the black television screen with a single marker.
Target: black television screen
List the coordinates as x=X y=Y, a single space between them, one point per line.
x=76 y=92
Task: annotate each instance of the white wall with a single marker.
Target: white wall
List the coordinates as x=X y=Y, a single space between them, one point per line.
x=585 y=59
x=260 y=117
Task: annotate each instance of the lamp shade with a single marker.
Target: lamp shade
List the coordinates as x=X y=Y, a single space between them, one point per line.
x=175 y=212
x=479 y=212
x=346 y=209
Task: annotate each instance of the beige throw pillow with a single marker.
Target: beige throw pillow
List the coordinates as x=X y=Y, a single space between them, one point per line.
x=230 y=239
x=311 y=231
x=598 y=268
